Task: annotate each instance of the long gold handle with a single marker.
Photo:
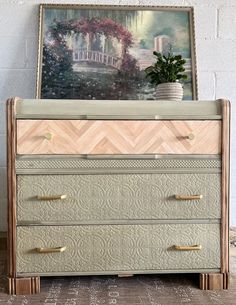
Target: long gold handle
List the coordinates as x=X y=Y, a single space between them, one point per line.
x=50 y=250
x=188 y=197
x=188 y=248
x=48 y=136
x=51 y=197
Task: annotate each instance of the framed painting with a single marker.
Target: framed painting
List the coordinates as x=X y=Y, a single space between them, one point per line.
x=101 y=52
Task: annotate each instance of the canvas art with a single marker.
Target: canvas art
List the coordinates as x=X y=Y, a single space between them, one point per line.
x=101 y=52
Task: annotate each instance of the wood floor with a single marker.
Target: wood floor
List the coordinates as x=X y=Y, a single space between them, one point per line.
x=139 y=290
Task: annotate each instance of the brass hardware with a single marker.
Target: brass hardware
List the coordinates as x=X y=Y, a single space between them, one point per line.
x=48 y=136
x=51 y=197
x=188 y=197
x=50 y=250
x=188 y=248
x=191 y=136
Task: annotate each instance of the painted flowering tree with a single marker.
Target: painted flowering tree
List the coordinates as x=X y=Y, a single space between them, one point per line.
x=57 y=60
x=101 y=53
x=58 y=56
x=60 y=30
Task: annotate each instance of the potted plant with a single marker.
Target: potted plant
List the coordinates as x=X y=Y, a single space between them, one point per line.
x=166 y=73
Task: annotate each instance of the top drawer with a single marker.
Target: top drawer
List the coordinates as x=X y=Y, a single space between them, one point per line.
x=118 y=137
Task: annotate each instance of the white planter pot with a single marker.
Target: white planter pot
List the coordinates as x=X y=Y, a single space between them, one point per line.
x=169 y=91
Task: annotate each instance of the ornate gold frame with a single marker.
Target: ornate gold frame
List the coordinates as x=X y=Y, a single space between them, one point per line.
x=124 y=7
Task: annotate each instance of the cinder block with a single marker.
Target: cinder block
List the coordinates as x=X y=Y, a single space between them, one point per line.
x=13 y=53
x=2 y=117
x=206 y=85
x=233 y=216
x=31 y=52
x=2 y=152
x=216 y=55
x=205 y=22
x=152 y=2
x=3 y=214
x=225 y=85
x=129 y=2
x=227 y=22
x=210 y=3
x=21 y=83
x=3 y=182
x=225 y=88
x=18 y=19
x=233 y=207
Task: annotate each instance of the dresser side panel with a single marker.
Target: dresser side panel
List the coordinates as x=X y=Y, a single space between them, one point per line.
x=225 y=188
x=11 y=185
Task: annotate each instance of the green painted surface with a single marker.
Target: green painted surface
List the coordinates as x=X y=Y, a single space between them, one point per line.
x=88 y=109
x=119 y=222
x=129 y=219
x=79 y=164
x=118 y=248
x=117 y=196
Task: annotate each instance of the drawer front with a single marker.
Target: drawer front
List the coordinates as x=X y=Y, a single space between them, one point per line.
x=118 y=137
x=117 y=248
x=117 y=196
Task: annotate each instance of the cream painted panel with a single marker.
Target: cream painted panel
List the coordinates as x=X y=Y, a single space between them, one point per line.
x=118 y=248
x=118 y=196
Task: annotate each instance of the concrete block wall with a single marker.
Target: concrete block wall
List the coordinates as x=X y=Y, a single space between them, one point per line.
x=215 y=27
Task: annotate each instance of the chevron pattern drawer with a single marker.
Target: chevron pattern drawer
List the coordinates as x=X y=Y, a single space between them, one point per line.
x=46 y=198
x=116 y=248
x=122 y=188
x=118 y=137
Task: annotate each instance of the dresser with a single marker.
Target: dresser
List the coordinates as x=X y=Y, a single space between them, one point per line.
x=117 y=188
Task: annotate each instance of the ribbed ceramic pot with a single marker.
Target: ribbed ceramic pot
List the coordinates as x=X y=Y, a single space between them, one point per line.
x=169 y=91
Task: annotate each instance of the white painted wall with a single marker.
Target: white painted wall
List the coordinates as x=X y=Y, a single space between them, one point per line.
x=215 y=26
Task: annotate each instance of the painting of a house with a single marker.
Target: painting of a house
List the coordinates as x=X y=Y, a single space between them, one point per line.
x=102 y=52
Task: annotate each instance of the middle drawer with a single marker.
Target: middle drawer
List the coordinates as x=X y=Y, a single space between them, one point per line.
x=99 y=197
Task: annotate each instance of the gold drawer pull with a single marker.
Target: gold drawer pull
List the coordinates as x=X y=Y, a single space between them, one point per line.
x=188 y=248
x=51 y=197
x=50 y=250
x=190 y=137
x=188 y=197
x=48 y=136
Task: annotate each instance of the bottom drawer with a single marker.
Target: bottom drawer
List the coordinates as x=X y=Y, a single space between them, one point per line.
x=110 y=248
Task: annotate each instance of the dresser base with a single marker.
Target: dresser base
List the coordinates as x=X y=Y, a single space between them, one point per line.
x=26 y=285
x=31 y=285
x=214 y=281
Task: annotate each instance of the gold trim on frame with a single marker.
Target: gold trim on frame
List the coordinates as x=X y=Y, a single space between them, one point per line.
x=123 y=7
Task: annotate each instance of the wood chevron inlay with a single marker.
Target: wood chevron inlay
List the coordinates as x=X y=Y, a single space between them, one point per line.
x=118 y=137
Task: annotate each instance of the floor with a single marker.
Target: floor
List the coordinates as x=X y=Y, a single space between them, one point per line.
x=138 y=290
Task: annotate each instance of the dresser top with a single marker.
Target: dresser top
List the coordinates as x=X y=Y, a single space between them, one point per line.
x=90 y=109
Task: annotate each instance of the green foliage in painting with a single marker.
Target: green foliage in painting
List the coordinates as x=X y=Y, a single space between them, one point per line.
x=167 y=69
x=57 y=61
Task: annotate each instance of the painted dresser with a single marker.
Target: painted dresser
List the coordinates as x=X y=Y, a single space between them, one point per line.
x=117 y=187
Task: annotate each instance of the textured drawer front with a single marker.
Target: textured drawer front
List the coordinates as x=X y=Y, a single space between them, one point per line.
x=118 y=247
x=73 y=162
x=117 y=137
x=118 y=196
